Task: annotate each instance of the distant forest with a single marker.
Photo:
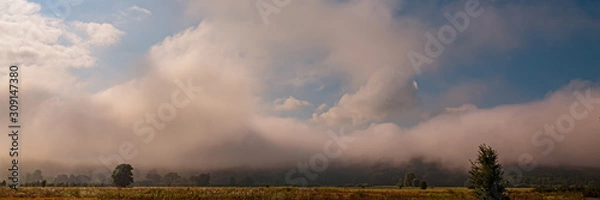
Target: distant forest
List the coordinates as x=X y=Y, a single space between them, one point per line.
x=336 y=175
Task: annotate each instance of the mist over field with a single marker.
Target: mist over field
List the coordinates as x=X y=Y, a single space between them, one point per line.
x=198 y=86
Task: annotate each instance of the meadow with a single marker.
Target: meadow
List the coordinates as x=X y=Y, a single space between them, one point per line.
x=270 y=193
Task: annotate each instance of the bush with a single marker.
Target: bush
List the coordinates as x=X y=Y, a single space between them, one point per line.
x=586 y=191
x=522 y=185
x=400 y=183
x=423 y=185
x=122 y=175
x=591 y=192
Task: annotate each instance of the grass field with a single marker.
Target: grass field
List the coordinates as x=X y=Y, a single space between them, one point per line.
x=274 y=193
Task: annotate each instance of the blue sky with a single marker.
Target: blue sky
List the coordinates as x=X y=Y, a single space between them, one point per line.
x=166 y=19
x=526 y=73
x=530 y=72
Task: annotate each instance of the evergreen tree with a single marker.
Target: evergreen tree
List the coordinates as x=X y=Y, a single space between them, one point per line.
x=487 y=175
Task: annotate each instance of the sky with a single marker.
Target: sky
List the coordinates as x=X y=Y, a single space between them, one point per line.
x=206 y=84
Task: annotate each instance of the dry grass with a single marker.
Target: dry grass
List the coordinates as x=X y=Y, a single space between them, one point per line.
x=274 y=193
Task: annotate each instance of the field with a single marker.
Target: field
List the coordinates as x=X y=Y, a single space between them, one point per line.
x=271 y=193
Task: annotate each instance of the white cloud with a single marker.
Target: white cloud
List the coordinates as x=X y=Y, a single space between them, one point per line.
x=510 y=129
x=321 y=108
x=99 y=34
x=140 y=10
x=385 y=94
x=45 y=47
x=290 y=103
x=365 y=38
x=133 y=13
x=237 y=61
x=462 y=108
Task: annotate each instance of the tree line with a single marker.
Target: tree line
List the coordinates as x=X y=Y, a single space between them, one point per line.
x=341 y=175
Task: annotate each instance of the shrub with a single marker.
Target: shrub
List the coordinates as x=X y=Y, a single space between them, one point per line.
x=423 y=185
x=122 y=175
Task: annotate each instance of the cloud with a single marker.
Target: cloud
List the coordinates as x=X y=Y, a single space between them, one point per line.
x=133 y=13
x=448 y=110
x=385 y=94
x=290 y=103
x=233 y=61
x=451 y=137
x=28 y=37
x=99 y=34
x=462 y=108
x=46 y=48
x=321 y=108
x=140 y=10
x=239 y=62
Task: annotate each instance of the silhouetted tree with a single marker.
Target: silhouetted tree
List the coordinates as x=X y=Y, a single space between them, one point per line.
x=201 y=180
x=154 y=177
x=423 y=185
x=27 y=178
x=73 y=180
x=82 y=179
x=36 y=176
x=62 y=178
x=181 y=181
x=408 y=179
x=232 y=181
x=400 y=183
x=170 y=178
x=487 y=175
x=415 y=182
x=248 y=181
x=122 y=175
